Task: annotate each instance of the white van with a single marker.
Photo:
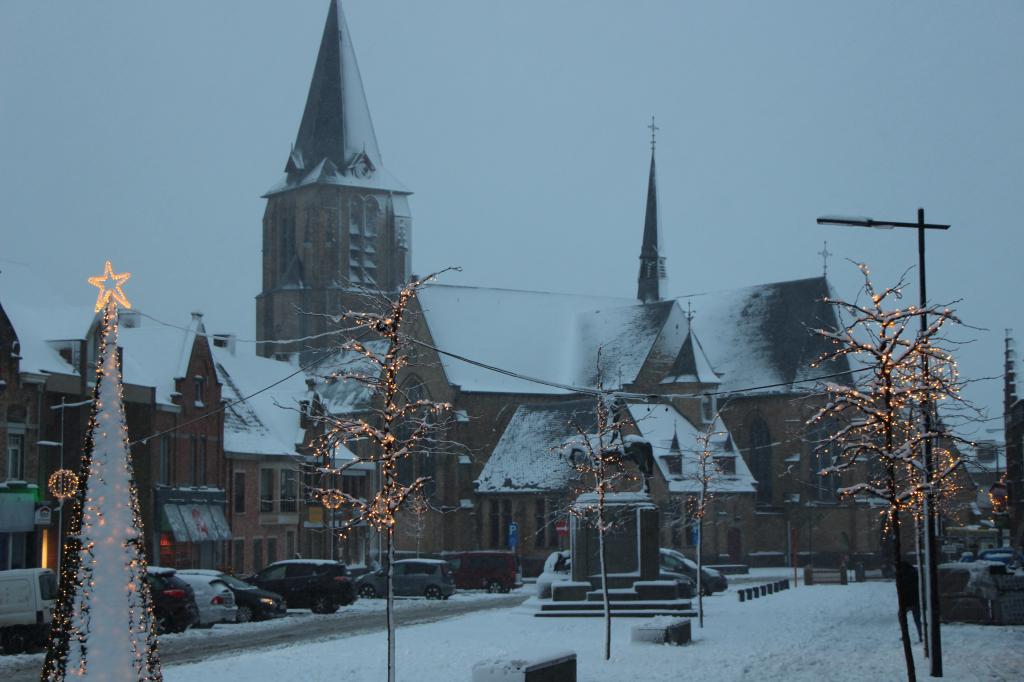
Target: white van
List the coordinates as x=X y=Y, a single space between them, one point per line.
x=26 y=599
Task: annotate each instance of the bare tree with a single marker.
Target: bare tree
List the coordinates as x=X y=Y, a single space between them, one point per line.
x=597 y=457
x=398 y=427
x=418 y=507
x=707 y=471
x=876 y=441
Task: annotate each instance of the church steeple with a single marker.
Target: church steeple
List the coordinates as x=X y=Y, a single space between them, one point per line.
x=336 y=123
x=339 y=223
x=652 y=264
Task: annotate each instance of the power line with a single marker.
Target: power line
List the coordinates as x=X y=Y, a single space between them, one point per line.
x=333 y=332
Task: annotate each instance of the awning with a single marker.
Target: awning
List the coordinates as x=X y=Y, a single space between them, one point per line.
x=197 y=522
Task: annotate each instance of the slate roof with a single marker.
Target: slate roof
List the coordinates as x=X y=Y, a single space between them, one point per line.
x=760 y=335
x=336 y=143
x=752 y=337
x=526 y=458
x=672 y=434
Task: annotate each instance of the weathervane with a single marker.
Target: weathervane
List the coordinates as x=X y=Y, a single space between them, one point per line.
x=690 y=312
x=654 y=129
x=825 y=253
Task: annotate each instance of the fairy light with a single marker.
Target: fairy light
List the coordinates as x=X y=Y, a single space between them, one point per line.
x=73 y=643
x=62 y=484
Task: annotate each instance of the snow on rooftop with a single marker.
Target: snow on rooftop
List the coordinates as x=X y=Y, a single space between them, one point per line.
x=40 y=317
x=527 y=456
x=529 y=332
x=660 y=424
x=265 y=424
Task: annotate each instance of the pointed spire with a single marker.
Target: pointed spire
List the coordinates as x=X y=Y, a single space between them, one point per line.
x=336 y=123
x=652 y=265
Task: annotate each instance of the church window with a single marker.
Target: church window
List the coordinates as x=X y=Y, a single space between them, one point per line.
x=761 y=460
x=823 y=488
x=708 y=407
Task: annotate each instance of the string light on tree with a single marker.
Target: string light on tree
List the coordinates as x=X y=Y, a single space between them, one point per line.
x=103 y=625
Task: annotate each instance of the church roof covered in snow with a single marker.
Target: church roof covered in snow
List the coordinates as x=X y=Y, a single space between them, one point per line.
x=742 y=339
x=537 y=334
x=527 y=457
x=761 y=335
x=672 y=436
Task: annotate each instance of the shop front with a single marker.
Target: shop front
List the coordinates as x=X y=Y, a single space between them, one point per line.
x=193 y=530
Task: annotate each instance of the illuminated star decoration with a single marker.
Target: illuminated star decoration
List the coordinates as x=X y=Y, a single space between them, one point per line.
x=108 y=291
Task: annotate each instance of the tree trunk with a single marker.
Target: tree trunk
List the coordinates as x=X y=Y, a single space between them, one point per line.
x=901 y=598
x=391 y=605
x=604 y=577
x=700 y=568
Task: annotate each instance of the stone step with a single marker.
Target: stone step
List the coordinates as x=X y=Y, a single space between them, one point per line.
x=627 y=613
x=614 y=595
x=676 y=605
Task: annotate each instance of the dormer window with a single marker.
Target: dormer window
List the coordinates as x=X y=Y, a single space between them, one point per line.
x=727 y=465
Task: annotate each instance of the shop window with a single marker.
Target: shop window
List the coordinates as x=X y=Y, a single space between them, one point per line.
x=289 y=544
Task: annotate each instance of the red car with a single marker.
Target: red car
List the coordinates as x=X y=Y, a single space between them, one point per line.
x=493 y=571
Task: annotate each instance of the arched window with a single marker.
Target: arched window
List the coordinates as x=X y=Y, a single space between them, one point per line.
x=761 y=460
x=422 y=462
x=822 y=488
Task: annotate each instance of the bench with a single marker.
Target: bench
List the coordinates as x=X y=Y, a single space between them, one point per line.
x=825 y=576
x=662 y=631
x=558 y=666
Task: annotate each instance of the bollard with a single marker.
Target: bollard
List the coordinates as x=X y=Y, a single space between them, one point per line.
x=753 y=594
x=764 y=590
x=786 y=584
x=741 y=595
x=771 y=588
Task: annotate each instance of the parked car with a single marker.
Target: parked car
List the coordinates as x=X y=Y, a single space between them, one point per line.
x=675 y=562
x=430 y=578
x=492 y=571
x=214 y=599
x=1004 y=555
x=558 y=568
x=174 y=601
x=26 y=599
x=251 y=603
x=321 y=585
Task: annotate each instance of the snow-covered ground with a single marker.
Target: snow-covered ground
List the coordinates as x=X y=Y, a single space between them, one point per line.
x=815 y=633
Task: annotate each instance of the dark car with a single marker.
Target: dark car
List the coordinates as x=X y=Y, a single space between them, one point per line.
x=252 y=603
x=711 y=580
x=320 y=585
x=430 y=578
x=492 y=571
x=174 y=601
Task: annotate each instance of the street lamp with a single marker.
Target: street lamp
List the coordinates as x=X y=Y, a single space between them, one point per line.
x=931 y=549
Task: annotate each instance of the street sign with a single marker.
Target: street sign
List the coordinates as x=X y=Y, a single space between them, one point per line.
x=513 y=535
x=562 y=528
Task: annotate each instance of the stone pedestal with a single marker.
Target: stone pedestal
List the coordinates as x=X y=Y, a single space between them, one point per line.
x=631 y=543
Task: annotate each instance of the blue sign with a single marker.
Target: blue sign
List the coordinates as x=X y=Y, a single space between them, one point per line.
x=513 y=535
x=694 y=535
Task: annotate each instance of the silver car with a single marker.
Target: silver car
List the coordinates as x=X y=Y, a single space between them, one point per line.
x=430 y=578
x=214 y=598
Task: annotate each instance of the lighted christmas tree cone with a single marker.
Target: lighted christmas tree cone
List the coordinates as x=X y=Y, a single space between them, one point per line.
x=103 y=625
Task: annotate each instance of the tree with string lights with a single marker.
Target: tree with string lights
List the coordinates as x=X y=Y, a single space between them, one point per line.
x=399 y=427
x=598 y=458
x=876 y=439
x=705 y=475
x=103 y=626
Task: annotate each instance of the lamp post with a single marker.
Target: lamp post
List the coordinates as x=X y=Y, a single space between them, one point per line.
x=930 y=535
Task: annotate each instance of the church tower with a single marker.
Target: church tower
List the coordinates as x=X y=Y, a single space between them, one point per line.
x=652 y=264
x=338 y=224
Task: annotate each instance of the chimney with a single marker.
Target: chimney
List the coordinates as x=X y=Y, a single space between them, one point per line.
x=226 y=341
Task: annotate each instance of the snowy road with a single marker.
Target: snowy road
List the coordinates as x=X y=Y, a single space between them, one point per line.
x=365 y=616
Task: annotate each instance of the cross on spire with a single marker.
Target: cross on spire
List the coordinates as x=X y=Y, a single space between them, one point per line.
x=690 y=312
x=654 y=129
x=825 y=253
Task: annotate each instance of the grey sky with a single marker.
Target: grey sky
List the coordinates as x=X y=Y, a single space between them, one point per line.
x=146 y=133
